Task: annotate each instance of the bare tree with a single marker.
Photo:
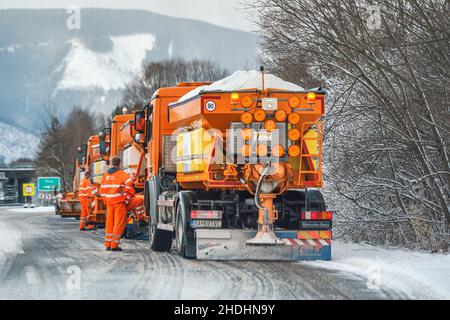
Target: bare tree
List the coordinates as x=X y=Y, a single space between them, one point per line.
x=388 y=116
x=168 y=73
x=59 y=143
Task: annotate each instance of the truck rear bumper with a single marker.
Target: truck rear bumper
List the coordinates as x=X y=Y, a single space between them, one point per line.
x=230 y=244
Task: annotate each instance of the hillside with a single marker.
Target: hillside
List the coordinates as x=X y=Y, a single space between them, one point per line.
x=16 y=144
x=44 y=64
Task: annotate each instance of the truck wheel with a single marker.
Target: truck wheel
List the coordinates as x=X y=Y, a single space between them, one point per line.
x=184 y=237
x=160 y=240
x=180 y=233
x=316 y=201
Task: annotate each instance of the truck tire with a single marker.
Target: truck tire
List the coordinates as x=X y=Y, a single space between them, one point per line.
x=184 y=235
x=160 y=240
x=313 y=198
x=315 y=201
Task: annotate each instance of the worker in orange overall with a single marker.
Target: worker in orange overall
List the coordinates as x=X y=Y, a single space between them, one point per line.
x=115 y=189
x=135 y=204
x=85 y=195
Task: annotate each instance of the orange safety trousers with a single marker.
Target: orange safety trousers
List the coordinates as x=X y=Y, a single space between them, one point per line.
x=116 y=219
x=84 y=214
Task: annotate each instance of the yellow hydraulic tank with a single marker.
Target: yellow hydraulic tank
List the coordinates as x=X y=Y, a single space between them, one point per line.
x=193 y=149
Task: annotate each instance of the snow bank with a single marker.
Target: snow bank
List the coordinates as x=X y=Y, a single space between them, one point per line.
x=85 y=68
x=32 y=210
x=241 y=80
x=415 y=274
x=10 y=242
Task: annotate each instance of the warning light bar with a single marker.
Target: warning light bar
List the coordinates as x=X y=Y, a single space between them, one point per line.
x=206 y=214
x=317 y=215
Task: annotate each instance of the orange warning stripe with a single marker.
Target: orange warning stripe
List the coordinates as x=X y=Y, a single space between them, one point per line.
x=311 y=235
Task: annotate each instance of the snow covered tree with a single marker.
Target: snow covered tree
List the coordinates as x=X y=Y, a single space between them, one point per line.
x=386 y=67
x=59 y=143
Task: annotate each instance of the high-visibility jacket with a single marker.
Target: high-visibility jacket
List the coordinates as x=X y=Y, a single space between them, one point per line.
x=116 y=187
x=85 y=189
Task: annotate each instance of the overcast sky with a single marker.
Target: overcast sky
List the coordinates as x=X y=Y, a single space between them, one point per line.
x=226 y=13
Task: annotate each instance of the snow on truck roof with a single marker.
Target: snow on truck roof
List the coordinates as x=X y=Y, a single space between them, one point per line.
x=241 y=80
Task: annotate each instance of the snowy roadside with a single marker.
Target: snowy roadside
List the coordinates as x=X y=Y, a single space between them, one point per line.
x=11 y=240
x=10 y=243
x=30 y=210
x=416 y=274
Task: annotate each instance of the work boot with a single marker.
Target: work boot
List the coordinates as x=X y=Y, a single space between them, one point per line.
x=116 y=249
x=108 y=248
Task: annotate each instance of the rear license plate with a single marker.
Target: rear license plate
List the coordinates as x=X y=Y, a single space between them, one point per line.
x=205 y=224
x=315 y=225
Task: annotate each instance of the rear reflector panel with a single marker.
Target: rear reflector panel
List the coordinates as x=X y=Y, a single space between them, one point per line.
x=206 y=214
x=317 y=215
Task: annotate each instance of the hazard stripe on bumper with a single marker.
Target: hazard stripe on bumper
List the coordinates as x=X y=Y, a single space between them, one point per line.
x=314 y=235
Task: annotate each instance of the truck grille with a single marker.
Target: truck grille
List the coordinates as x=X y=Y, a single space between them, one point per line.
x=169 y=153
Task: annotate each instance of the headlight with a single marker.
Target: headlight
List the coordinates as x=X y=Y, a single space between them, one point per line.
x=294 y=118
x=280 y=115
x=294 y=102
x=294 y=151
x=294 y=134
x=246 y=102
x=246 y=118
x=278 y=151
x=259 y=115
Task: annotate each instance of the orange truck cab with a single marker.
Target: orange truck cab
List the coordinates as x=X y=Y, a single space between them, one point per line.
x=235 y=174
x=97 y=166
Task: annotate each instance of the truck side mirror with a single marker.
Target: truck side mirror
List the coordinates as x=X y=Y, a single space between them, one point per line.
x=139 y=138
x=81 y=154
x=139 y=121
x=102 y=146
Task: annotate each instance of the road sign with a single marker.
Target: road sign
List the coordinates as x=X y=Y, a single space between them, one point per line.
x=48 y=184
x=28 y=189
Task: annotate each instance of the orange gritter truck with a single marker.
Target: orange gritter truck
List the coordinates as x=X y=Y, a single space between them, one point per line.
x=69 y=205
x=235 y=172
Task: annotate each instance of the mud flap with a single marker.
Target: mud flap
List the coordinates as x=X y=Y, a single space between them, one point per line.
x=222 y=244
x=136 y=231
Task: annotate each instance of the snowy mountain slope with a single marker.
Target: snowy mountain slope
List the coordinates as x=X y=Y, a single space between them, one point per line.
x=42 y=62
x=85 y=69
x=16 y=143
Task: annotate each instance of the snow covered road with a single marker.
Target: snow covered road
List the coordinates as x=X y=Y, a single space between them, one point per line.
x=43 y=256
